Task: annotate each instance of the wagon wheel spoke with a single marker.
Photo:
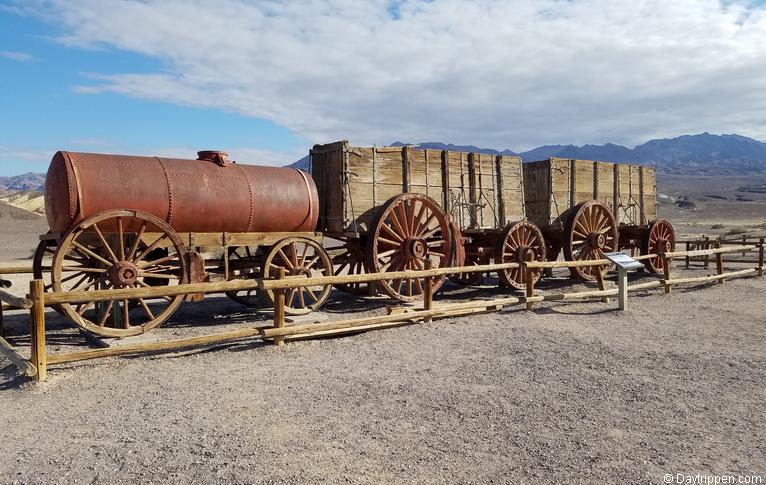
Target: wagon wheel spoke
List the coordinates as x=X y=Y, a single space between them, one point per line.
x=136 y=241
x=105 y=244
x=150 y=248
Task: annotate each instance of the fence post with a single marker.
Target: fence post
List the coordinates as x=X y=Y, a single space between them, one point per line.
x=428 y=290
x=687 y=259
x=37 y=328
x=279 y=309
x=622 y=284
x=601 y=285
x=744 y=243
x=719 y=263
x=760 y=257
x=706 y=245
x=530 y=280
x=666 y=272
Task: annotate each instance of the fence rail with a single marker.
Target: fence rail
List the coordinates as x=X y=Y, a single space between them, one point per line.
x=37 y=300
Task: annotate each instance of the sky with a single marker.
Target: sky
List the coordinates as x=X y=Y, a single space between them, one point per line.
x=265 y=80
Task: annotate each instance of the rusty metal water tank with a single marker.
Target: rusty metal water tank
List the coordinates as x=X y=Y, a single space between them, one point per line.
x=209 y=194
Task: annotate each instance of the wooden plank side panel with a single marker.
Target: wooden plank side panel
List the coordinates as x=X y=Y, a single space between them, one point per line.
x=584 y=181
x=459 y=188
x=563 y=195
x=513 y=189
x=425 y=171
x=486 y=186
x=627 y=210
x=537 y=194
x=327 y=171
x=650 y=193
x=604 y=183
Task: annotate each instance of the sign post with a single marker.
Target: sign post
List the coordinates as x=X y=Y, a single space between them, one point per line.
x=624 y=264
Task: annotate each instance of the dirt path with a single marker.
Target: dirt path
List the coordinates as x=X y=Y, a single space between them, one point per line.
x=573 y=393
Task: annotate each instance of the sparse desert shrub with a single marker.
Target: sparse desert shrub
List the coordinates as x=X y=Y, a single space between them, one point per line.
x=716 y=226
x=736 y=230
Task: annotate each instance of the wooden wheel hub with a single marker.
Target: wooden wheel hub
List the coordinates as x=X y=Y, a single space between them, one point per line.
x=300 y=271
x=123 y=274
x=521 y=253
x=597 y=240
x=416 y=248
x=664 y=245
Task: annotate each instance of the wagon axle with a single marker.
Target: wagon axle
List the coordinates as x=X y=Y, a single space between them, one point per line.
x=415 y=248
x=123 y=274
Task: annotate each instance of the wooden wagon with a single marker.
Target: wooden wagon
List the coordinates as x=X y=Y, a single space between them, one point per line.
x=395 y=207
x=589 y=208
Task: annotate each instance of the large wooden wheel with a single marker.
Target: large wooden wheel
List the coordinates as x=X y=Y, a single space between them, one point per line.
x=244 y=262
x=299 y=257
x=517 y=240
x=408 y=230
x=350 y=261
x=108 y=251
x=659 y=239
x=589 y=232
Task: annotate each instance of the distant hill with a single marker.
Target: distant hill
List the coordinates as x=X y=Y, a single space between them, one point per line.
x=734 y=154
x=688 y=153
x=27 y=181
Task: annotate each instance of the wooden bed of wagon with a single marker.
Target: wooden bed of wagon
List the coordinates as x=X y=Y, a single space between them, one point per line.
x=588 y=208
x=395 y=207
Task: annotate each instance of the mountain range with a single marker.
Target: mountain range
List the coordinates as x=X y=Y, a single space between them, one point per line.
x=24 y=182
x=693 y=154
x=733 y=154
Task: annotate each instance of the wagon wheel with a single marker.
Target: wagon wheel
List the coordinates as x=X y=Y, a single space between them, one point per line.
x=518 y=240
x=41 y=266
x=659 y=238
x=245 y=260
x=409 y=229
x=106 y=251
x=299 y=257
x=351 y=262
x=468 y=279
x=590 y=231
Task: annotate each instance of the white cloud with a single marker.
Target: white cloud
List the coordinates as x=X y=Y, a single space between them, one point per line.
x=21 y=155
x=17 y=56
x=499 y=73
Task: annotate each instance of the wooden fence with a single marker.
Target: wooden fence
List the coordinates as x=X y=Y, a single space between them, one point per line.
x=36 y=365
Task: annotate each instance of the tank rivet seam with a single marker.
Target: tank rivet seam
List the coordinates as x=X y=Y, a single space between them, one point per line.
x=169 y=219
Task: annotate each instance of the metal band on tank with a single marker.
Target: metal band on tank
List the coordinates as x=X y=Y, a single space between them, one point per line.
x=310 y=215
x=250 y=192
x=74 y=187
x=76 y=179
x=169 y=219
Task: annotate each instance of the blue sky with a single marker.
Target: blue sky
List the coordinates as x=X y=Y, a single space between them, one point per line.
x=42 y=111
x=265 y=80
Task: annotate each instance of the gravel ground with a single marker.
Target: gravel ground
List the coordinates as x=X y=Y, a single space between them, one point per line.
x=568 y=393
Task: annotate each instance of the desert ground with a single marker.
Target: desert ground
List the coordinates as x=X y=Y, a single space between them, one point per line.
x=566 y=393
